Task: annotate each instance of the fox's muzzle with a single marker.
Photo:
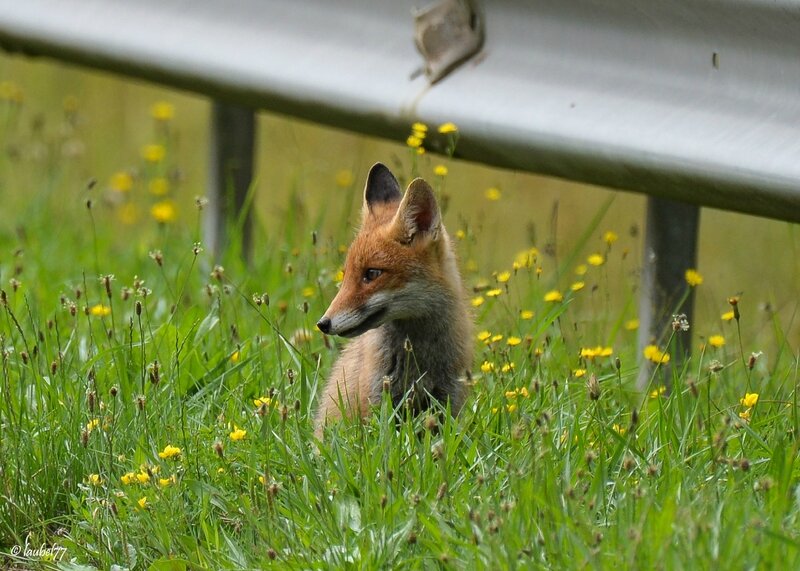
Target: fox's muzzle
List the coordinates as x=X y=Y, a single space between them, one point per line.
x=353 y=323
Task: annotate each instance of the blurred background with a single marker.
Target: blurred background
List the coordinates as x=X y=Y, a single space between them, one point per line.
x=63 y=127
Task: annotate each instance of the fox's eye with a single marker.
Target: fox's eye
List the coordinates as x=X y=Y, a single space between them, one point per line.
x=371 y=274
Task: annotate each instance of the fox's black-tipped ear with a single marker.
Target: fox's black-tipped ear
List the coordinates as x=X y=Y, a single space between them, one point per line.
x=418 y=213
x=381 y=186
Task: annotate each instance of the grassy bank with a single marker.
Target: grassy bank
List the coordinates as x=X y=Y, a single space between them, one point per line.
x=156 y=404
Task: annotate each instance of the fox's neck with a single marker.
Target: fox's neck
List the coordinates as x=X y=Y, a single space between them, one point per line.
x=431 y=352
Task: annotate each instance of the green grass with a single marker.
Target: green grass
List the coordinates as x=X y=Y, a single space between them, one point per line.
x=535 y=472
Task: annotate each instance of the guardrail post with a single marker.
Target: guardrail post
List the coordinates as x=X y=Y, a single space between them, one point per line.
x=230 y=176
x=670 y=248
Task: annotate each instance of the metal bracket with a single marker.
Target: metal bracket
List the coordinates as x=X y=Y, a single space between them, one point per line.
x=447 y=33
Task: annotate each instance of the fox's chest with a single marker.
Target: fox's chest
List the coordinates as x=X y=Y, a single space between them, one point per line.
x=414 y=368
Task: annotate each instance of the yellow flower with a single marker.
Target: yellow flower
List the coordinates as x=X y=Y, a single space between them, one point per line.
x=693 y=278
x=581 y=270
x=610 y=237
x=420 y=127
x=92 y=424
x=596 y=260
x=448 y=127
x=460 y=234
x=235 y=357
x=440 y=170
x=159 y=186
x=492 y=193
x=649 y=351
x=154 y=153
x=503 y=277
x=507 y=367
x=594 y=352
x=414 y=142
x=169 y=452
x=727 y=316
x=484 y=335
x=142 y=477
x=162 y=111
x=164 y=211
x=164 y=482
x=577 y=286
x=619 y=429
x=344 y=178
x=309 y=291
x=513 y=341
x=266 y=401
x=511 y=407
x=658 y=392
x=128 y=478
x=526 y=314
x=95 y=480
x=554 y=296
x=749 y=400
x=477 y=301
x=121 y=181
x=237 y=434
x=493 y=292
x=526 y=258
x=716 y=341
x=631 y=325
x=745 y=415
x=487 y=367
x=100 y=310
x=579 y=372
x=142 y=502
x=655 y=355
x=10 y=91
x=496 y=338
x=339 y=276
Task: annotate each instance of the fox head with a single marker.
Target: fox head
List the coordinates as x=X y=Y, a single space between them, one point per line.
x=400 y=264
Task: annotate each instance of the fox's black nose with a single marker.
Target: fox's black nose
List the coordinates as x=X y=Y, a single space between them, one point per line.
x=324 y=325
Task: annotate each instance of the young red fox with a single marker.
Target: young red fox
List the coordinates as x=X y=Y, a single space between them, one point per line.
x=403 y=299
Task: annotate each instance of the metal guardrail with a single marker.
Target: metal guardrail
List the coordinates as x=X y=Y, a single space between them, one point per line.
x=693 y=102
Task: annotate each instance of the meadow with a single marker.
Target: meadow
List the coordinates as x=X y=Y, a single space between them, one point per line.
x=156 y=403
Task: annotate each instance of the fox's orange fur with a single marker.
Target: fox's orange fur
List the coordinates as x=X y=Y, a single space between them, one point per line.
x=401 y=290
